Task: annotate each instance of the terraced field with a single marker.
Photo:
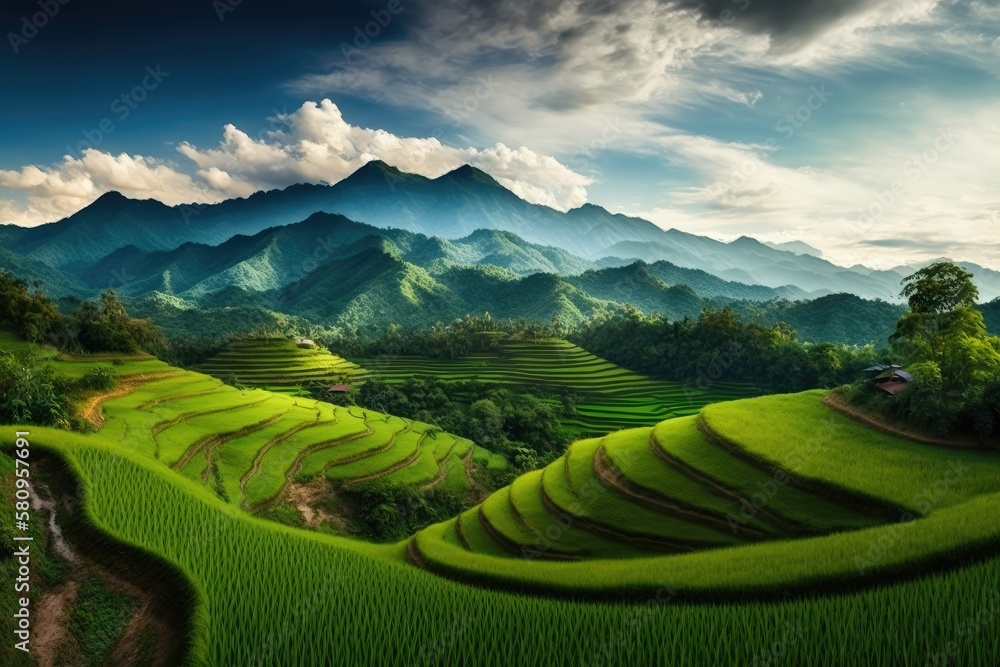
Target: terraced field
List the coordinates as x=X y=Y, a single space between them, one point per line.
x=769 y=531
x=279 y=365
x=640 y=492
x=613 y=398
x=778 y=492
x=253 y=447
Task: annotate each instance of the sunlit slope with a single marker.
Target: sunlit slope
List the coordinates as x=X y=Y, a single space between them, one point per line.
x=251 y=446
x=280 y=365
x=765 y=493
x=274 y=595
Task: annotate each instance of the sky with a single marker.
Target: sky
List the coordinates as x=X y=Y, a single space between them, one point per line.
x=869 y=129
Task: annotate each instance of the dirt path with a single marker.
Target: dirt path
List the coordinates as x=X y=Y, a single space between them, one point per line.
x=51 y=623
x=53 y=644
x=477 y=488
x=92 y=410
x=879 y=423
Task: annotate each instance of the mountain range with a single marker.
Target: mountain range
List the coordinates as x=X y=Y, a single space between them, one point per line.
x=383 y=244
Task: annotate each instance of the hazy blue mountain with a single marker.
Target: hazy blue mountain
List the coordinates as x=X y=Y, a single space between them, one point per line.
x=499 y=248
x=451 y=207
x=797 y=247
x=711 y=287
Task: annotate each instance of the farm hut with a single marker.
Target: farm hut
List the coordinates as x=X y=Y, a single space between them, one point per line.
x=873 y=371
x=304 y=342
x=339 y=389
x=893 y=381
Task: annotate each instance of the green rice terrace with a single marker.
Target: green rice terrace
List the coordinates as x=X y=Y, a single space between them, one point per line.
x=258 y=449
x=280 y=365
x=756 y=531
x=611 y=397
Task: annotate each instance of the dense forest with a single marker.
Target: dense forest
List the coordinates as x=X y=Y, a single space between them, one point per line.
x=721 y=346
x=521 y=425
x=90 y=327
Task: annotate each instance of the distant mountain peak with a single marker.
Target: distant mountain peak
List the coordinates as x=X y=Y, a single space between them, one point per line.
x=469 y=173
x=111 y=195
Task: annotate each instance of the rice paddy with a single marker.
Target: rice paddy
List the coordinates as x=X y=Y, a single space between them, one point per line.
x=611 y=397
x=273 y=595
x=251 y=447
x=727 y=511
x=280 y=365
x=765 y=531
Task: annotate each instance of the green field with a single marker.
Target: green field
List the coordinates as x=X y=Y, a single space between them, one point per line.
x=251 y=446
x=863 y=506
x=859 y=548
x=611 y=397
x=279 y=365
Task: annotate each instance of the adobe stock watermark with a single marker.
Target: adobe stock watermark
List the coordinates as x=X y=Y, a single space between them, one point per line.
x=924 y=502
x=583 y=159
x=461 y=111
x=223 y=7
x=31 y=25
x=121 y=108
x=913 y=170
x=787 y=126
x=985 y=619
x=364 y=34
x=613 y=650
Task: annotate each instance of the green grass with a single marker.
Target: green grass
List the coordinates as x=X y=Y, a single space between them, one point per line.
x=270 y=594
x=815 y=442
x=287 y=597
x=97 y=620
x=631 y=452
x=558 y=532
x=573 y=486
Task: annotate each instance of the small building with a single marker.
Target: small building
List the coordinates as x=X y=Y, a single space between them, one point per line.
x=875 y=370
x=304 y=342
x=894 y=386
x=339 y=389
x=893 y=380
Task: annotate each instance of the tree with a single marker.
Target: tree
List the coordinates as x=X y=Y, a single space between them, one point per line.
x=939 y=288
x=942 y=299
x=955 y=363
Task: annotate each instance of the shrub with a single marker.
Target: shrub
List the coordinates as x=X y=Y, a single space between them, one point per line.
x=30 y=393
x=99 y=378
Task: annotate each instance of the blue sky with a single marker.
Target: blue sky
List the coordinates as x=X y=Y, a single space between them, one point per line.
x=867 y=129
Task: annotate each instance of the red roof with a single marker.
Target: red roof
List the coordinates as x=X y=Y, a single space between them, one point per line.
x=894 y=386
x=340 y=388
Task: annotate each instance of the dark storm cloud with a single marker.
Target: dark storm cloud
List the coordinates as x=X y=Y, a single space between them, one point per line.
x=790 y=23
x=787 y=21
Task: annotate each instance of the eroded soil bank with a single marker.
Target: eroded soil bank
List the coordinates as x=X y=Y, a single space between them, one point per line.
x=96 y=601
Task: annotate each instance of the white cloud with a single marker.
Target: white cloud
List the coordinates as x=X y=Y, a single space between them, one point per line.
x=316 y=146
x=57 y=191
